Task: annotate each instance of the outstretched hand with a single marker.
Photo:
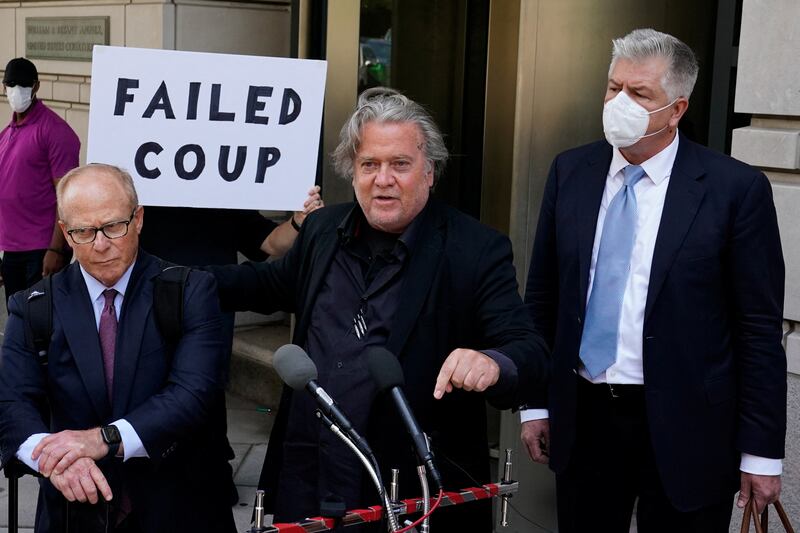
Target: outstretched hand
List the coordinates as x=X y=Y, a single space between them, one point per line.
x=466 y=369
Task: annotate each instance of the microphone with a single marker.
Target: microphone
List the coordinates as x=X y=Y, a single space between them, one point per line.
x=297 y=370
x=388 y=375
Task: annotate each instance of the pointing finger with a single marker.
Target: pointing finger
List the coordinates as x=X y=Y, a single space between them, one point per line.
x=101 y=483
x=445 y=374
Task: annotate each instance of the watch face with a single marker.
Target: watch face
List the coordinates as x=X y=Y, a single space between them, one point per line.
x=110 y=434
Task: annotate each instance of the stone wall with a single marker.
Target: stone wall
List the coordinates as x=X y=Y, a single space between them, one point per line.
x=768 y=87
x=253 y=28
x=258 y=28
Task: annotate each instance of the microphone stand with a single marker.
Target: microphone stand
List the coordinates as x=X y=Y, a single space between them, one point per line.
x=373 y=472
x=426 y=498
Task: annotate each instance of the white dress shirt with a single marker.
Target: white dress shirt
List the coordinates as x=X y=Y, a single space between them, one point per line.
x=131 y=443
x=651 y=192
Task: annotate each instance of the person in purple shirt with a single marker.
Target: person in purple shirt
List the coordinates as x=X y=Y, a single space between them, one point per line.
x=36 y=149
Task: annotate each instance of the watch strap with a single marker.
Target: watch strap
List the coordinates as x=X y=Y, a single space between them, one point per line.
x=111 y=436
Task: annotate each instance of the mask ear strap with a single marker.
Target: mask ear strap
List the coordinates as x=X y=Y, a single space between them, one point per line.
x=665 y=125
x=662 y=108
x=656 y=132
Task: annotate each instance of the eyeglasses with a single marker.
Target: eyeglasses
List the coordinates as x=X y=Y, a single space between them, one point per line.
x=112 y=230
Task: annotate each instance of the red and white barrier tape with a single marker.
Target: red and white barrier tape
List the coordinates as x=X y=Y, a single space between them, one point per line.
x=410 y=506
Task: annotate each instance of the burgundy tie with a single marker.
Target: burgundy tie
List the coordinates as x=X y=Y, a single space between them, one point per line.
x=108 y=338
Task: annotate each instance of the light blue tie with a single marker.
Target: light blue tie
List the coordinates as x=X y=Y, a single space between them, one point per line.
x=599 y=340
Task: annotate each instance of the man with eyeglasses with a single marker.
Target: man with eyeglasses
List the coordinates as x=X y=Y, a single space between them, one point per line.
x=36 y=149
x=121 y=424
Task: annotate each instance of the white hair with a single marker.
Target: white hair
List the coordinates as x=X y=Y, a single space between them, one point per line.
x=381 y=104
x=646 y=43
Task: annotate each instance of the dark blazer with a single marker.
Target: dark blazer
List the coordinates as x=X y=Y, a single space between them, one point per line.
x=714 y=367
x=459 y=290
x=168 y=394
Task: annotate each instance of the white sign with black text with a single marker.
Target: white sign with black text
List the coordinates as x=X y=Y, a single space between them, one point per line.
x=208 y=130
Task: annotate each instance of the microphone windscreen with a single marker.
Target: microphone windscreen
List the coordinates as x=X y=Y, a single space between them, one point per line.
x=294 y=366
x=384 y=368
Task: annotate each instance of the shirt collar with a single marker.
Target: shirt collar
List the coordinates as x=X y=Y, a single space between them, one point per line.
x=349 y=228
x=31 y=117
x=96 y=288
x=658 y=168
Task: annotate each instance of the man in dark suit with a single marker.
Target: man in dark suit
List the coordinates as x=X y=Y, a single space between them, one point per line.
x=399 y=270
x=119 y=422
x=657 y=279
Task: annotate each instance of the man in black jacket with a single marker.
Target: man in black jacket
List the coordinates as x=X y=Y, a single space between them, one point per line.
x=399 y=270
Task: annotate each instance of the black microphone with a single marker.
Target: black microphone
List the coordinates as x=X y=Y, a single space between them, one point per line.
x=297 y=370
x=388 y=375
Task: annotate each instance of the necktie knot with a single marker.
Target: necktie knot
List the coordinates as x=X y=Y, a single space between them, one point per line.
x=109 y=295
x=632 y=173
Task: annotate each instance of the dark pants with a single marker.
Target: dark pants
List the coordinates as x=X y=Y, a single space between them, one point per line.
x=129 y=525
x=21 y=270
x=612 y=465
x=97 y=518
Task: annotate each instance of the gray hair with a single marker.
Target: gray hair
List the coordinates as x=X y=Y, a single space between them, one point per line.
x=646 y=43
x=110 y=170
x=381 y=104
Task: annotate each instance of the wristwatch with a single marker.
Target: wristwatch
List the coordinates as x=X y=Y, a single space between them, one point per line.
x=111 y=437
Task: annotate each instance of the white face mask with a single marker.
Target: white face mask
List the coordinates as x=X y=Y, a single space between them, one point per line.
x=625 y=122
x=19 y=98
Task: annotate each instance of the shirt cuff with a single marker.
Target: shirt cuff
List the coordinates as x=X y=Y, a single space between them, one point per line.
x=526 y=415
x=26 y=449
x=131 y=443
x=761 y=466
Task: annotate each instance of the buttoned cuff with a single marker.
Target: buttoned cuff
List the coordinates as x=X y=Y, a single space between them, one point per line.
x=26 y=449
x=761 y=466
x=526 y=415
x=131 y=443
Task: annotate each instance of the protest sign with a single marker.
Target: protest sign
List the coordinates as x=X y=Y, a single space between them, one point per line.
x=208 y=130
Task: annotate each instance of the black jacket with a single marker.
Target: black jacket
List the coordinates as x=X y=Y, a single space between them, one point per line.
x=459 y=291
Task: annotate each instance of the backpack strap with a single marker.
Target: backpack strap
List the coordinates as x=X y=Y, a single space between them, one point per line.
x=38 y=317
x=167 y=304
x=168 y=300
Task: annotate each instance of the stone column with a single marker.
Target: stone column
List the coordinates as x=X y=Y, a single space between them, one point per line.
x=768 y=87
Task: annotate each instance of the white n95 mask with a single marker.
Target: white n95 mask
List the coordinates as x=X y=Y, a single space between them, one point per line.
x=625 y=122
x=19 y=98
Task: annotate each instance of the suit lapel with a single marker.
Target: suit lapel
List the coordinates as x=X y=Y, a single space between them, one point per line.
x=684 y=195
x=74 y=309
x=423 y=265
x=136 y=308
x=591 y=183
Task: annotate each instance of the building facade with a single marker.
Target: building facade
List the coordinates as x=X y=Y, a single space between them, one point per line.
x=513 y=82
